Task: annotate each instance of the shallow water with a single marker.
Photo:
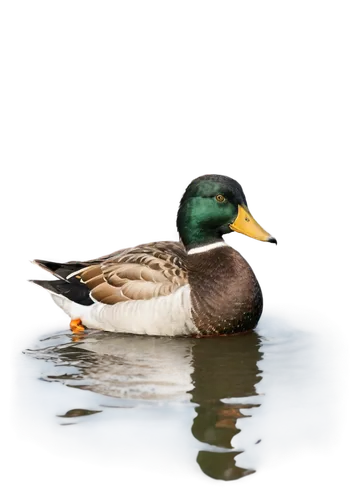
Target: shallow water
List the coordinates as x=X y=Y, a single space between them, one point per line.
x=221 y=409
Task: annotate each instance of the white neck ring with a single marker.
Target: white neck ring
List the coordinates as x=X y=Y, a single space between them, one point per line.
x=207 y=248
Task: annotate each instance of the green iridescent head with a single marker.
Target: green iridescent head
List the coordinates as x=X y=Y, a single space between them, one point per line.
x=214 y=205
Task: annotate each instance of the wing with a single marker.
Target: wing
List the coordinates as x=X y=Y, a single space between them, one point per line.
x=139 y=273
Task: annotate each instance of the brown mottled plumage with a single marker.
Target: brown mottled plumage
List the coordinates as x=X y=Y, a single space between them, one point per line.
x=225 y=294
x=138 y=273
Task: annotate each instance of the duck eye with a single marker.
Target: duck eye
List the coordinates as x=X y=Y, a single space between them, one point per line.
x=220 y=198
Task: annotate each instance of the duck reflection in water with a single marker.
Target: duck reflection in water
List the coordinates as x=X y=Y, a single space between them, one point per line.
x=217 y=408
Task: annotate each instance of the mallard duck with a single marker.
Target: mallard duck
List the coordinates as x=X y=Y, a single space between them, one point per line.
x=196 y=286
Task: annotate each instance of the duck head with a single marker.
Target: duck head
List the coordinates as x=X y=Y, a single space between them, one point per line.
x=214 y=205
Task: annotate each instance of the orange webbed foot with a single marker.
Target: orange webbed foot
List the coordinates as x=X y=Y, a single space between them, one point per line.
x=76 y=326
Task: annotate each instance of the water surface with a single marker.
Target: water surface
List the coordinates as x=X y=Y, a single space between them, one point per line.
x=221 y=409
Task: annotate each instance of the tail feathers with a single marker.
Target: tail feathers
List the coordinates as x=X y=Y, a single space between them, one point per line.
x=64 y=305
x=76 y=292
x=61 y=271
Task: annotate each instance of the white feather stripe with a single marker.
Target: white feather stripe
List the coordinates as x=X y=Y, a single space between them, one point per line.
x=73 y=274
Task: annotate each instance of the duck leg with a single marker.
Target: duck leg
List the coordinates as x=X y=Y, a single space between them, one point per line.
x=76 y=326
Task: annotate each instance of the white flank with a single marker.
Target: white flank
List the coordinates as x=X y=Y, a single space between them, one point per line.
x=207 y=248
x=166 y=316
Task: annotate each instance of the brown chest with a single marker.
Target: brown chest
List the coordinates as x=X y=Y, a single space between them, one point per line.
x=225 y=294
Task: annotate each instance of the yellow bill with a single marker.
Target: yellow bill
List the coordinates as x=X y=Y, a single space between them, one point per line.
x=246 y=224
